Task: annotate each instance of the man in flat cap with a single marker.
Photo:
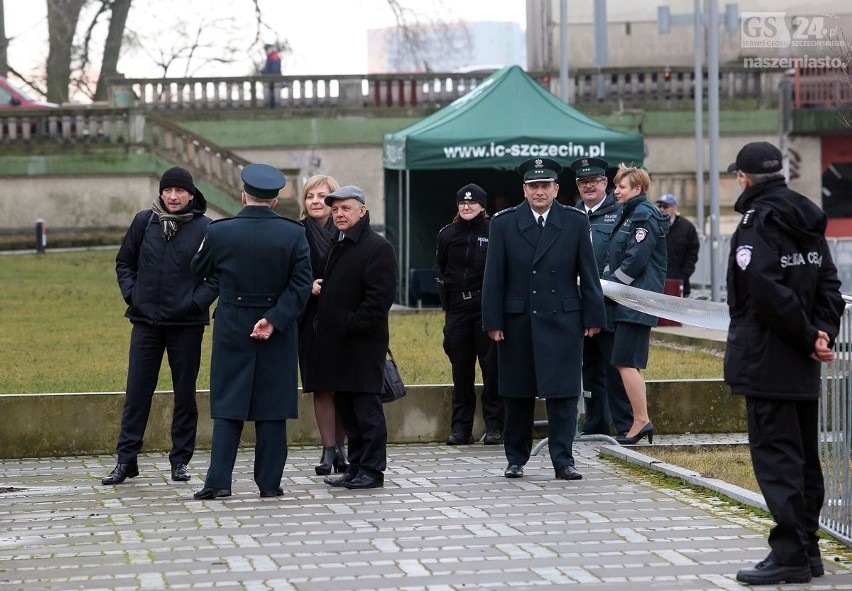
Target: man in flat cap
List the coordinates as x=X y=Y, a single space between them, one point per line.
x=462 y=246
x=352 y=332
x=538 y=312
x=785 y=306
x=263 y=265
x=608 y=403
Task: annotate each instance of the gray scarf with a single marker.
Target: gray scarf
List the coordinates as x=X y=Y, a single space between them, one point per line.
x=170 y=221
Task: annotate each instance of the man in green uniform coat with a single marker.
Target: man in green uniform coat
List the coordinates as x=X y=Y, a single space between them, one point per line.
x=263 y=265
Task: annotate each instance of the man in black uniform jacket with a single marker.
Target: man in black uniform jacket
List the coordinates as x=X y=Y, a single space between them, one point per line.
x=785 y=304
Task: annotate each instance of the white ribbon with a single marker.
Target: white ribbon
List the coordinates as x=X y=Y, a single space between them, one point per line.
x=700 y=313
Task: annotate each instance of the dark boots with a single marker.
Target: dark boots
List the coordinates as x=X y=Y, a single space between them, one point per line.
x=332 y=458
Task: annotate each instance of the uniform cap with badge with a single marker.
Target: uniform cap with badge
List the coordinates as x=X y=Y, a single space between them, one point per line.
x=472 y=192
x=540 y=170
x=589 y=167
x=346 y=192
x=262 y=181
x=757 y=158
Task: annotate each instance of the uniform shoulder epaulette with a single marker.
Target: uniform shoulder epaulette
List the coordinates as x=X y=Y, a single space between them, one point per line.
x=503 y=211
x=641 y=214
x=748 y=217
x=574 y=209
x=220 y=220
x=445 y=227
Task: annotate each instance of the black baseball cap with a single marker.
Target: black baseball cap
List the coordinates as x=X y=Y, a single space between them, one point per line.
x=757 y=158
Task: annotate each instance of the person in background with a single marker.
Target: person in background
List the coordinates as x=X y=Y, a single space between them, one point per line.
x=608 y=403
x=264 y=268
x=168 y=307
x=462 y=246
x=320 y=232
x=636 y=257
x=785 y=304
x=273 y=60
x=682 y=243
x=355 y=298
x=541 y=295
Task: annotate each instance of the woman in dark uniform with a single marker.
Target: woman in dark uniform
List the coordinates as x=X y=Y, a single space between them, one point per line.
x=320 y=231
x=461 y=259
x=636 y=257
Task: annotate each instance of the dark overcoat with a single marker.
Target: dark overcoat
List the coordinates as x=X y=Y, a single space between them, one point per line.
x=352 y=312
x=531 y=293
x=264 y=269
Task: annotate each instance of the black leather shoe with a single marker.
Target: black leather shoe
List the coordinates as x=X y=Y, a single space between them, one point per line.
x=365 y=481
x=121 y=472
x=568 y=473
x=180 y=473
x=459 y=439
x=271 y=493
x=514 y=471
x=211 y=493
x=769 y=572
x=493 y=438
x=347 y=476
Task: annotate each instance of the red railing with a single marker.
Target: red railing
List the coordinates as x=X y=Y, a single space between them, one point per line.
x=821 y=87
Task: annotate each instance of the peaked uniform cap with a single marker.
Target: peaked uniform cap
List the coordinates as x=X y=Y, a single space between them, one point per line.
x=540 y=170
x=262 y=181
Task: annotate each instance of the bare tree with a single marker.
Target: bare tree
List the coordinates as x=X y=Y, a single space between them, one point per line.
x=4 y=43
x=62 y=17
x=112 y=46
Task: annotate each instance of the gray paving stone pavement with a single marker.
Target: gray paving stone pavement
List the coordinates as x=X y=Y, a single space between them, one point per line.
x=446 y=520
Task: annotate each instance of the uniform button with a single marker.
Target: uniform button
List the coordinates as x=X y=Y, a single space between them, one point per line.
x=534 y=292
x=534 y=272
x=552 y=291
x=553 y=312
x=535 y=312
x=239 y=298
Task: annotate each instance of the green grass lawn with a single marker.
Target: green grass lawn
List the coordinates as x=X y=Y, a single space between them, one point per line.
x=62 y=329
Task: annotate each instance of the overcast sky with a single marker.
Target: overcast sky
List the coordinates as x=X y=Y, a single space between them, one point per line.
x=327 y=36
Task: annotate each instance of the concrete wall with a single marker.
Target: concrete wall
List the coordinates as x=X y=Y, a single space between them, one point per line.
x=75 y=201
x=44 y=425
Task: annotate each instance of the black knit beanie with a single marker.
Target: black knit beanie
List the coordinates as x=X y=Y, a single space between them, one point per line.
x=177 y=177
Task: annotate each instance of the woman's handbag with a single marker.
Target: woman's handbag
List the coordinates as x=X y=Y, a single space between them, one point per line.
x=394 y=388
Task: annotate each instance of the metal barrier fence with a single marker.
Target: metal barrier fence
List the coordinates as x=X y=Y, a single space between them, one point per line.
x=841 y=252
x=835 y=425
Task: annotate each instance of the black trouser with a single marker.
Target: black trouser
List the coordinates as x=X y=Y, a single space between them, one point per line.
x=608 y=402
x=561 y=423
x=464 y=342
x=147 y=345
x=783 y=437
x=363 y=419
x=270 y=453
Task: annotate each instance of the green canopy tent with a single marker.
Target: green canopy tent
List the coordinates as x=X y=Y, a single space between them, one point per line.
x=481 y=138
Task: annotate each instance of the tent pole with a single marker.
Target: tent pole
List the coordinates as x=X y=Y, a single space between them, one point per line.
x=407 y=234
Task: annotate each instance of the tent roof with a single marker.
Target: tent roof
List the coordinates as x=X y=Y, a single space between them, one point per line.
x=508 y=118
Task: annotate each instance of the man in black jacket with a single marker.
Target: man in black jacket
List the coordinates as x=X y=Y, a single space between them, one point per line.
x=785 y=304
x=352 y=332
x=682 y=243
x=168 y=307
